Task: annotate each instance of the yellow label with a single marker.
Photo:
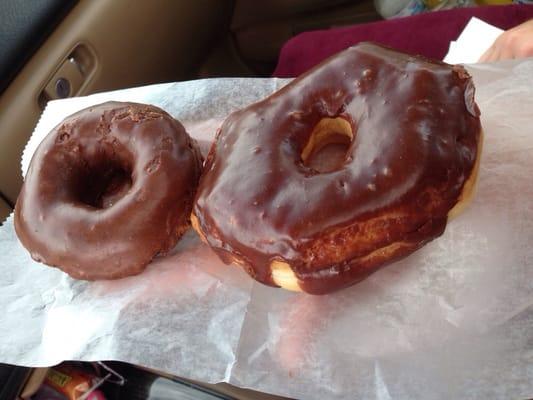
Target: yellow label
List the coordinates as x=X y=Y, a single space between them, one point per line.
x=58 y=378
x=433 y=3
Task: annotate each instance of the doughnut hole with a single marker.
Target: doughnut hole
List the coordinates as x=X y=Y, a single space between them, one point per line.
x=103 y=182
x=327 y=148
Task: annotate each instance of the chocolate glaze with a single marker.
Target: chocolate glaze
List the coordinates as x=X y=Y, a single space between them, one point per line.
x=108 y=189
x=416 y=129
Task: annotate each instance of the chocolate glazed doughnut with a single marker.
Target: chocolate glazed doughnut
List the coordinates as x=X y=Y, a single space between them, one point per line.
x=409 y=131
x=107 y=190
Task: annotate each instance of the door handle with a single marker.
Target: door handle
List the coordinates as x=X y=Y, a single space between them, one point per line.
x=72 y=75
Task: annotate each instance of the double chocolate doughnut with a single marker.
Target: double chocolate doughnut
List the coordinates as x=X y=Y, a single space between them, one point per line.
x=409 y=133
x=107 y=190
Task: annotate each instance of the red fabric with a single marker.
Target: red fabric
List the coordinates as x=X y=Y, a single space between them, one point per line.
x=426 y=34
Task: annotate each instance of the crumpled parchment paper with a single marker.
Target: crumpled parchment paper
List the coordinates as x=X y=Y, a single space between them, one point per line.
x=454 y=320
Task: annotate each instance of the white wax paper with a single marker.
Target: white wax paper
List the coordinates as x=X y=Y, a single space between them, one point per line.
x=474 y=40
x=454 y=320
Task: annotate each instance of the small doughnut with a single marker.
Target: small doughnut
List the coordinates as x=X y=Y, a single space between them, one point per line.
x=275 y=199
x=108 y=189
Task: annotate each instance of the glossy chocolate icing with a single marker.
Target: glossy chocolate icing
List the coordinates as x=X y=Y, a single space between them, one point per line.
x=416 y=130
x=108 y=189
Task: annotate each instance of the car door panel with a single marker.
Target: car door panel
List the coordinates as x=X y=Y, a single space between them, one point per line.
x=114 y=44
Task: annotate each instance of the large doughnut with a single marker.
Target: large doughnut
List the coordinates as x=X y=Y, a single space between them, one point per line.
x=409 y=130
x=108 y=189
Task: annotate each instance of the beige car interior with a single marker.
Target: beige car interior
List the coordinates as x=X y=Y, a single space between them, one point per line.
x=103 y=45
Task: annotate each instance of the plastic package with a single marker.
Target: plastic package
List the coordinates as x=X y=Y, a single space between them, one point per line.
x=66 y=382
